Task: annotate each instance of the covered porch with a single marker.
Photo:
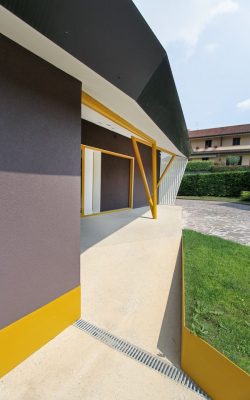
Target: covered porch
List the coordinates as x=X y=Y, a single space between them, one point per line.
x=130 y=283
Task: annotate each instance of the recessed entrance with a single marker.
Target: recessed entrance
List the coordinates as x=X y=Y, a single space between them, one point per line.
x=107 y=180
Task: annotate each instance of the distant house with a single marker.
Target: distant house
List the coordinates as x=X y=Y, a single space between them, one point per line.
x=217 y=144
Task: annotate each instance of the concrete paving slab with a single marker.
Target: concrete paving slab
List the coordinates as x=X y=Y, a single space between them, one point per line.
x=74 y=366
x=227 y=220
x=131 y=279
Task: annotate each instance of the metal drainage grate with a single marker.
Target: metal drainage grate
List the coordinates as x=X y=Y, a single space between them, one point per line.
x=140 y=355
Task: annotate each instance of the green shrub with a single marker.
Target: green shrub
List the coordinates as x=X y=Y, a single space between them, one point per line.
x=227 y=168
x=233 y=160
x=223 y=184
x=194 y=166
x=245 y=195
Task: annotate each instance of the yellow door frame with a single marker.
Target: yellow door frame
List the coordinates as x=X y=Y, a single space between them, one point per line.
x=131 y=178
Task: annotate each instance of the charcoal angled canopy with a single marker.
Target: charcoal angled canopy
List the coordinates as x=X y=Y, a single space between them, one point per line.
x=120 y=47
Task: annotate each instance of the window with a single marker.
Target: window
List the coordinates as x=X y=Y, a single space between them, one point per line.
x=205 y=158
x=208 y=143
x=234 y=160
x=236 y=141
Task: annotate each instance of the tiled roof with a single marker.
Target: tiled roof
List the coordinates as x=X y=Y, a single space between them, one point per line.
x=208 y=153
x=226 y=130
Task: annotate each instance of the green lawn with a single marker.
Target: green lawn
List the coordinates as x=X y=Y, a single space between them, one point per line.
x=217 y=287
x=213 y=198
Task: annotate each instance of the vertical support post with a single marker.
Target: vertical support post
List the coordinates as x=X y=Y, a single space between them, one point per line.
x=154 y=180
x=131 y=182
x=83 y=173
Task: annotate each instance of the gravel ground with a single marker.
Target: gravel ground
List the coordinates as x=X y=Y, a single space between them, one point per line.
x=227 y=220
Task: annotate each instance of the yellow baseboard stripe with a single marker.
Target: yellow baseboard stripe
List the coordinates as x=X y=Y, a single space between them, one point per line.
x=23 y=337
x=219 y=377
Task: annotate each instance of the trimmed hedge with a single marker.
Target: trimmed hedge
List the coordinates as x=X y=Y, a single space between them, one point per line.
x=223 y=184
x=245 y=196
x=227 y=168
x=208 y=166
x=194 y=166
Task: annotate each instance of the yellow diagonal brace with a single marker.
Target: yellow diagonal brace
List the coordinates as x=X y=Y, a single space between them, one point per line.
x=165 y=170
x=154 y=180
x=143 y=175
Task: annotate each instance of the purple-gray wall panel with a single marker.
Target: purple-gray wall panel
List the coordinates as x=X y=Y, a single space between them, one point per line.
x=40 y=136
x=114 y=182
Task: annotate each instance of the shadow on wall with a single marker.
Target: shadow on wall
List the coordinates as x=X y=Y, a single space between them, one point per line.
x=169 y=342
x=96 y=228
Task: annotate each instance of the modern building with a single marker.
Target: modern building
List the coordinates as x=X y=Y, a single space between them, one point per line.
x=217 y=144
x=90 y=123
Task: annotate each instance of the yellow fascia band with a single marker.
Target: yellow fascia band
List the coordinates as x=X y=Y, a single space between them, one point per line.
x=95 y=105
x=23 y=337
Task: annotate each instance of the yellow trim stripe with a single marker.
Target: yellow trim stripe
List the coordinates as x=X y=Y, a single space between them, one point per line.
x=105 y=212
x=112 y=153
x=165 y=151
x=23 y=337
x=95 y=105
x=157 y=147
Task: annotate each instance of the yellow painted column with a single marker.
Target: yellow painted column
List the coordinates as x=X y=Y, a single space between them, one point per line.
x=154 y=180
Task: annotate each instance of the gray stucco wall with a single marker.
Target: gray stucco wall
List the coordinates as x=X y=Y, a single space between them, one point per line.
x=40 y=136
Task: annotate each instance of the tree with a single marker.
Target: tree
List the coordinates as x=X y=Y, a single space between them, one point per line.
x=233 y=160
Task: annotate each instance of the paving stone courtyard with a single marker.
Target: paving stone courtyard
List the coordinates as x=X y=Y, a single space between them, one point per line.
x=227 y=220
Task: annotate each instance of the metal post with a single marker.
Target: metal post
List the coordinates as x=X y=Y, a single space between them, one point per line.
x=154 y=180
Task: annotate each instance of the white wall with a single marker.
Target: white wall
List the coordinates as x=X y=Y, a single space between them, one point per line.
x=92 y=181
x=171 y=182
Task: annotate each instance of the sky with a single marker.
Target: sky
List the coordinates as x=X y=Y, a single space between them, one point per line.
x=208 y=46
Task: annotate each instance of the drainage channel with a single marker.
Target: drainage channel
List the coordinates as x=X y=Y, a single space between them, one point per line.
x=151 y=361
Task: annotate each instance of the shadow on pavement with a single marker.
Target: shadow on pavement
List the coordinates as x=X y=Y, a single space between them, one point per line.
x=169 y=342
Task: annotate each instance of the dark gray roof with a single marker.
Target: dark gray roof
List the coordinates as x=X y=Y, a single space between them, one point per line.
x=112 y=38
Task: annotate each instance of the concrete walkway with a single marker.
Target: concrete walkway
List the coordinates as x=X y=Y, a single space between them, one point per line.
x=131 y=277
x=227 y=220
x=75 y=366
